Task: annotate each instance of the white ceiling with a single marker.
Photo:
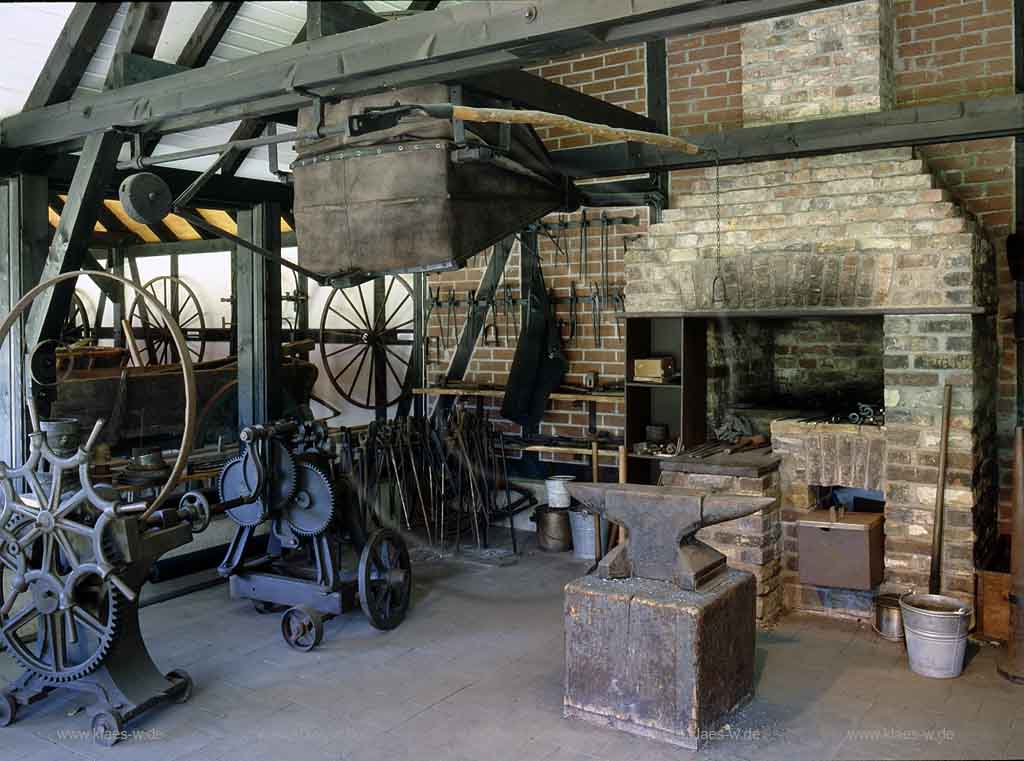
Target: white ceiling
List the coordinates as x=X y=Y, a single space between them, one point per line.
x=29 y=30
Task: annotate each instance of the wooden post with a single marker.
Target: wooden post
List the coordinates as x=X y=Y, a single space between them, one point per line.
x=596 y=477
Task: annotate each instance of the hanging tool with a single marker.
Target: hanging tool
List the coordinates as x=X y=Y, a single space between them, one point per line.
x=584 y=268
x=604 y=253
x=595 y=312
x=573 y=307
x=618 y=300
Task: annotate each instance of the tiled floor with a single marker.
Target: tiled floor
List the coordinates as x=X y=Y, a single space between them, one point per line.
x=475 y=673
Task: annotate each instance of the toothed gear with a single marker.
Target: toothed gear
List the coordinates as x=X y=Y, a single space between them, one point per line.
x=69 y=596
x=238 y=476
x=231 y=484
x=312 y=508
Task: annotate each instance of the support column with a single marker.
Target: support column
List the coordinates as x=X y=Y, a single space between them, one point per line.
x=258 y=302
x=24 y=232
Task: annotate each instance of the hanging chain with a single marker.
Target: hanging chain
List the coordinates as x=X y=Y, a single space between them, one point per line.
x=718 y=295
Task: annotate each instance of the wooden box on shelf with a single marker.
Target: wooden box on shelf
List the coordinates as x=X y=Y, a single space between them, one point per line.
x=678 y=401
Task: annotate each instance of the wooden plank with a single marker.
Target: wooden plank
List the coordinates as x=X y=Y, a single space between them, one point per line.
x=209 y=31
x=71 y=53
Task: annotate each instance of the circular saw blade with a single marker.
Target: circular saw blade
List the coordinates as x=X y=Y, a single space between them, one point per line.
x=311 y=509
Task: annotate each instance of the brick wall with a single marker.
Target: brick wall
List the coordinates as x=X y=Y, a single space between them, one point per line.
x=616 y=75
x=948 y=50
x=826 y=63
x=838 y=360
x=490 y=364
x=944 y=50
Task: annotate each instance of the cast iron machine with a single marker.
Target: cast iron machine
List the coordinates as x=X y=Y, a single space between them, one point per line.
x=292 y=477
x=74 y=557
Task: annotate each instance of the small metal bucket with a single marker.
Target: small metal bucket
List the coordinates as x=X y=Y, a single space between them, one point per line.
x=936 y=630
x=553 y=533
x=889 y=617
x=558 y=492
x=582 y=524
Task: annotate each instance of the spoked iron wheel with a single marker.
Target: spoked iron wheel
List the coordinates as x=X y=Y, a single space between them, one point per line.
x=362 y=340
x=302 y=628
x=385 y=579
x=76 y=325
x=152 y=337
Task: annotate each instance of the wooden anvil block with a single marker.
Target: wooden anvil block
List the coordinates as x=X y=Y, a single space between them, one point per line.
x=654 y=660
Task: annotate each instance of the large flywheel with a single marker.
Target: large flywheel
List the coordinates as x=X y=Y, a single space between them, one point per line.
x=366 y=341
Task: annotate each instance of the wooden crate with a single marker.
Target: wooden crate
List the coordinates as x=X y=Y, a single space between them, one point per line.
x=993 y=604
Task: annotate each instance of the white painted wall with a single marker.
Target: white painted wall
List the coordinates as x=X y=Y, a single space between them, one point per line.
x=209 y=276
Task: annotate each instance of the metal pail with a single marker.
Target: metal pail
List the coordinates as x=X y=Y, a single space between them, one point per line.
x=889 y=617
x=936 y=630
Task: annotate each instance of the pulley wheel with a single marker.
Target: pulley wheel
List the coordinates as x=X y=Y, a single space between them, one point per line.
x=146 y=198
x=302 y=628
x=385 y=579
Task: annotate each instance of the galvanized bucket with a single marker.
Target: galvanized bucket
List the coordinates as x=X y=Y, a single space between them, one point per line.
x=888 y=617
x=935 y=627
x=582 y=524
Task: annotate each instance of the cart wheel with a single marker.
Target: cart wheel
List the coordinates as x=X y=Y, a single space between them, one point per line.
x=385 y=579
x=8 y=710
x=302 y=628
x=107 y=728
x=180 y=675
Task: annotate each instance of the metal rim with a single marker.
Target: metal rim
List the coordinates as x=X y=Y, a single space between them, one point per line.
x=302 y=628
x=77 y=319
x=368 y=336
x=157 y=343
x=188 y=374
x=385 y=579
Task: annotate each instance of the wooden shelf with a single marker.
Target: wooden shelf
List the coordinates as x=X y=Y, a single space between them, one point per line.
x=640 y=384
x=499 y=393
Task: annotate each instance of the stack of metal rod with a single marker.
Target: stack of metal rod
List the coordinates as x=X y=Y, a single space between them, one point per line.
x=446 y=479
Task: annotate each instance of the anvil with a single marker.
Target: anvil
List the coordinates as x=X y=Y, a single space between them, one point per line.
x=662 y=523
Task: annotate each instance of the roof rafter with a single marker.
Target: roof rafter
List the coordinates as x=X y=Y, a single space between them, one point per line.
x=208 y=34
x=71 y=53
x=322 y=19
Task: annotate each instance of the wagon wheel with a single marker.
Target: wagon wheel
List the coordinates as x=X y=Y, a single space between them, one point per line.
x=360 y=339
x=76 y=325
x=151 y=335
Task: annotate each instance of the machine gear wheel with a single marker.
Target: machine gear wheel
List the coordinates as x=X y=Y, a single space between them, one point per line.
x=238 y=476
x=231 y=484
x=57 y=605
x=311 y=509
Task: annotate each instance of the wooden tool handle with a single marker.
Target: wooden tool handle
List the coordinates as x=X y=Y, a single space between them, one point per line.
x=543 y=118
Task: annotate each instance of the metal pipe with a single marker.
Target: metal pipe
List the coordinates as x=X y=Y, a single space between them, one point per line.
x=141 y=162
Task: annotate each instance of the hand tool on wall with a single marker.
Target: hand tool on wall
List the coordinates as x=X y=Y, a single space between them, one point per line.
x=618 y=299
x=573 y=309
x=605 y=225
x=584 y=265
x=595 y=313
